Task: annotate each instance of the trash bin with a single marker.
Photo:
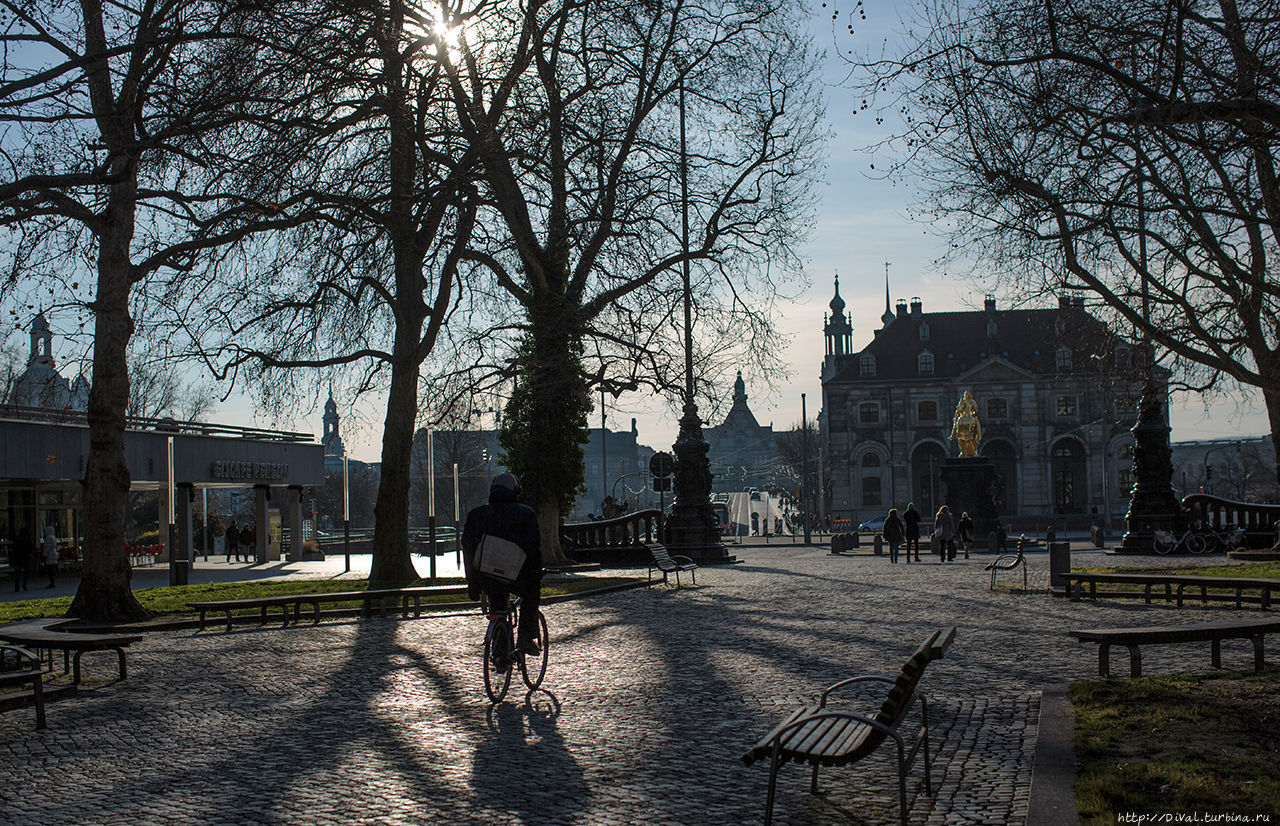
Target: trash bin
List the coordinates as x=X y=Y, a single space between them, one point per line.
x=1059 y=564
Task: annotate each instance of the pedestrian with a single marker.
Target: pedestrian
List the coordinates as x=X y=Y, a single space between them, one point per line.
x=944 y=530
x=22 y=555
x=894 y=532
x=965 y=526
x=249 y=542
x=505 y=517
x=49 y=549
x=911 y=525
x=233 y=542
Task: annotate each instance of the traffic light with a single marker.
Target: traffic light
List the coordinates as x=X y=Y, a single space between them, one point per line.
x=1208 y=472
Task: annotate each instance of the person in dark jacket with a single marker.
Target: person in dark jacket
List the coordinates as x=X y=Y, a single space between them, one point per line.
x=911 y=519
x=22 y=557
x=894 y=532
x=233 y=542
x=507 y=518
x=965 y=527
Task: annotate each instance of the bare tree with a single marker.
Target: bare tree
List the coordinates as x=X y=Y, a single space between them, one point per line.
x=105 y=108
x=1127 y=149
x=572 y=110
x=358 y=128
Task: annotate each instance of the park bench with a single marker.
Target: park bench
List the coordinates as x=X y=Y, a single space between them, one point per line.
x=1174 y=587
x=666 y=563
x=21 y=677
x=291 y=604
x=1010 y=562
x=822 y=736
x=1212 y=632
x=43 y=635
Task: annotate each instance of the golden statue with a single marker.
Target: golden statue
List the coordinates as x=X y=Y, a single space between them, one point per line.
x=965 y=428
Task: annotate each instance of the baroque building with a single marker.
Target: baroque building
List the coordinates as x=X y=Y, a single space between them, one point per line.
x=40 y=384
x=1056 y=392
x=744 y=453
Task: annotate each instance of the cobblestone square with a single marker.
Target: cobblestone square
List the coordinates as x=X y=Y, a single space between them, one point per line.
x=651 y=697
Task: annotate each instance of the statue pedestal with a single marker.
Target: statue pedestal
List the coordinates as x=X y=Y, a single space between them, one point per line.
x=968 y=482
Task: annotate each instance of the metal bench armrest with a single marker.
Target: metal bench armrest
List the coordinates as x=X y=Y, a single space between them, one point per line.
x=861 y=678
x=22 y=652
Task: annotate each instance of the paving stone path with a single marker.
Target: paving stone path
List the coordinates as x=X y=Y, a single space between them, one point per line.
x=651 y=698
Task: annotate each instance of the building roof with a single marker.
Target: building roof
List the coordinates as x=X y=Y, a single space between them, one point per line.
x=960 y=341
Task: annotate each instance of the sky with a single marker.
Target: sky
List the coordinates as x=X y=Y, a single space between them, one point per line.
x=861 y=225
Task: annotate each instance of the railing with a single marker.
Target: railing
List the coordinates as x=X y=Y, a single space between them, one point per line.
x=626 y=531
x=79 y=417
x=1258 y=519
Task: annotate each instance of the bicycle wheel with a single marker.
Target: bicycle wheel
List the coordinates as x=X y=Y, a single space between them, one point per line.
x=498 y=660
x=1196 y=544
x=1162 y=543
x=533 y=669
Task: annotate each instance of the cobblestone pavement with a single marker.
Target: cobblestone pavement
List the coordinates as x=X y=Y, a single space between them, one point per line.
x=651 y=698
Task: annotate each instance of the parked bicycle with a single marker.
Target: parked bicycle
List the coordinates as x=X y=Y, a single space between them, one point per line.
x=501 y=654
x=1230 y=538
x=1167 y=542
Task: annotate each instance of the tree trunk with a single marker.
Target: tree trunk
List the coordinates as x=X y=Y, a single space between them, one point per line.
x=553 y=554
x=105 y=594
x=392 y=564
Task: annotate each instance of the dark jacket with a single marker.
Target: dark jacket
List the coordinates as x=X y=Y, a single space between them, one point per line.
x=911 y=518
x=508 y=519
x=966 y=528
x=894 y=530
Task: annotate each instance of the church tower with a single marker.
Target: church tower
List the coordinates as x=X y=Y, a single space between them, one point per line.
x=334 y=449
x=839 y=334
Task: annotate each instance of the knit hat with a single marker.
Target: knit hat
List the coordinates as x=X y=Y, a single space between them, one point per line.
x=506 y=481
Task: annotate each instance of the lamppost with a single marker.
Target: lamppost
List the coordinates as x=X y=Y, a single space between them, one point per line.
x=1152 y=503
x=692 y=530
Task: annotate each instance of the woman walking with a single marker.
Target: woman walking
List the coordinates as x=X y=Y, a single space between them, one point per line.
x=49 y=547
x=894 y=532
x=944 y=528
x=911 y=523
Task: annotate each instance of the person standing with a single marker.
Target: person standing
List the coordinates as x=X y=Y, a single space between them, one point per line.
x=22 y=556
x=911 y=523
x=965 y=527
x=233 y=542
x=49 y=551
x=944 y=528
x=249 y=542
x=894 y=532
x=507 y=518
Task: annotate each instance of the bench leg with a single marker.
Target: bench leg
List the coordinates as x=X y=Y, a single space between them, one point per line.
x=1257 y=652
x=37 y=691
x=1135 y=661
x=228 y=620
x=75 y=678
x=902 y=783
x=773 y=785
x=1215 y=653
x=1104 y=659
x=813 y=781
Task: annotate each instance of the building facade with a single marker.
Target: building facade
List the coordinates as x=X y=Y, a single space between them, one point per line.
x=743 y=452
x=1057 y=395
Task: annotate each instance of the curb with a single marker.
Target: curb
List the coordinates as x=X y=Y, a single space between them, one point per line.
x=1053 y=769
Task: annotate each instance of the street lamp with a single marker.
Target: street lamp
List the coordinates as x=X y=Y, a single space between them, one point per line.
x=693 y=529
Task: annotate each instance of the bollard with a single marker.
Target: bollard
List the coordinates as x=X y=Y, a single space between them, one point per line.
x=878 y=544
x=856 y=539
x=1059 y=564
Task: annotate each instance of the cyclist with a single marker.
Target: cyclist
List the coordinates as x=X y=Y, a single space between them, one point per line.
x=507 y=518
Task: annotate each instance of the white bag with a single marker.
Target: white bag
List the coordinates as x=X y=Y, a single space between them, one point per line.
x=499 y=558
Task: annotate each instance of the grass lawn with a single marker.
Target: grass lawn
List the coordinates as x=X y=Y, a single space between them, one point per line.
x=172 y=600
x=1194 y=744
x=1261 y=570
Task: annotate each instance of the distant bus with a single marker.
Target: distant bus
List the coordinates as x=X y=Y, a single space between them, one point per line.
x=722 y=516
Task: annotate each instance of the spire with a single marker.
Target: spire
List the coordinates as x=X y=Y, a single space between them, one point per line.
x=837 y=303
x=888 y=310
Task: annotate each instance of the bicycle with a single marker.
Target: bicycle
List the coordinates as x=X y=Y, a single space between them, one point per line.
x=1166 y=542
x=1228 y=539
x=501 y=654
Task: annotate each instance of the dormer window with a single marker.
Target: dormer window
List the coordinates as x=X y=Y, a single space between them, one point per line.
x=1063 y=358
x=991 y=328
x=924 y=331
x=924 y=363
x=867 y=365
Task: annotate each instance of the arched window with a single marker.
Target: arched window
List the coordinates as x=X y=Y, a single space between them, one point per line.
x=870 y=460
x=991 y=328
x=867 y=365
x=924 y=331
x=1124 y=473
x=924 y=363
